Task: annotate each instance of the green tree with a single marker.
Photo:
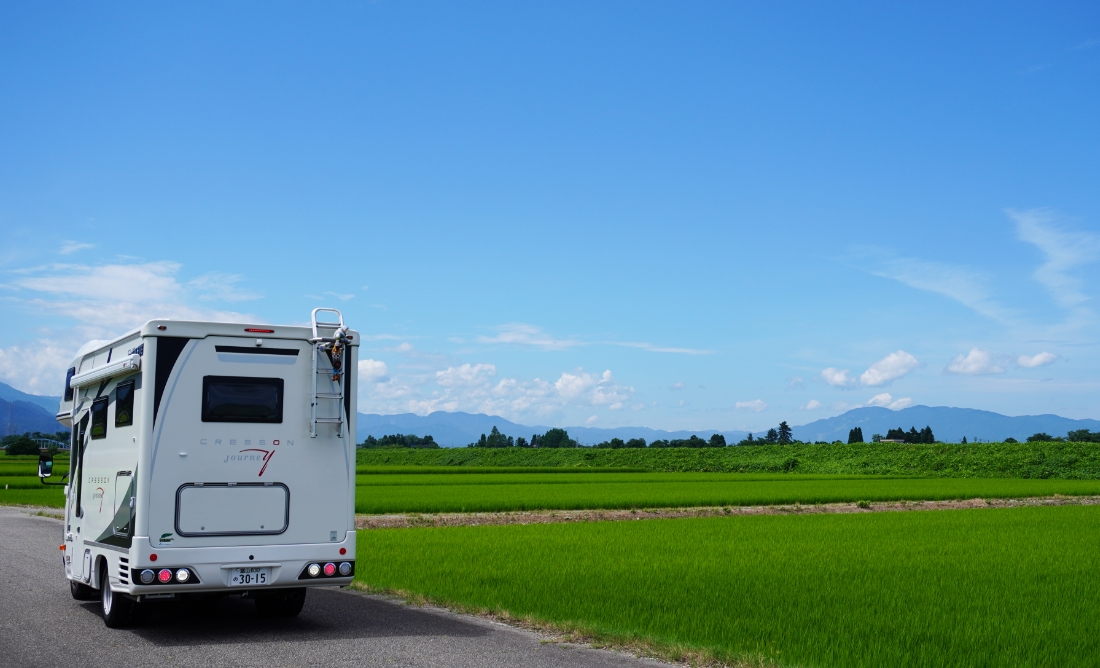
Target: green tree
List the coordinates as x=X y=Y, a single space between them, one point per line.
x=22 y=445
x=785 y=434
x=855 y=435
x=636 y=443
x=717 y=441
x=1011 y=440
x=556 y=438
x=1040 y=437
x=771 y=437
x=1083 y=436
x=964 y=440
x=521 y=442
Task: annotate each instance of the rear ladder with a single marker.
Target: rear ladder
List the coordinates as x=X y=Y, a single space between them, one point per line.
x=333 y=351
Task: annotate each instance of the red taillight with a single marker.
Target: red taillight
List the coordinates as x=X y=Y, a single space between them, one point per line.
x=343 y=550
x=255 y=330
x=164 y=575
x=330 y=569
x=152 y=557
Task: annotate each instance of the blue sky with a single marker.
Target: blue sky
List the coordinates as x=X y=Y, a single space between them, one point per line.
x=675 y=215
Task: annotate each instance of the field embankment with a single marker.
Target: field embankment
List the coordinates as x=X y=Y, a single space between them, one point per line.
x=953 y=588
x=1070 y=460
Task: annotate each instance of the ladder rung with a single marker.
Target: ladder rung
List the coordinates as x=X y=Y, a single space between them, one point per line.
x=330 y=420
x=329 y=395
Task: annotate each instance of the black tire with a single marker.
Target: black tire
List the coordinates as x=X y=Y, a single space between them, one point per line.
x=281 y=602
x=116 y=607
x=82 y=592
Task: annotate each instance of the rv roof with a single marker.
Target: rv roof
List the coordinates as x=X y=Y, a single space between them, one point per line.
x=197 y=330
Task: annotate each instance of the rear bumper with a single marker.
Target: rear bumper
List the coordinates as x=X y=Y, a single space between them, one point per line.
x=213 y=566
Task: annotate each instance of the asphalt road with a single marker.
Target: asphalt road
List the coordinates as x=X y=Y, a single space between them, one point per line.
x=41 y=625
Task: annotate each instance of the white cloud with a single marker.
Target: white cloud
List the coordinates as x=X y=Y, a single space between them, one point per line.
x=591 y=420
x=888 y=401
x=836 y=377
x=341 y=296
x=976 y=362
x=101 y=302
x=1065 y=251
x=812 y=405
x=372 y=371
x=1042 y=359
x=756 y=405
x=469 y=387
x=888 y=369
x=677 y=386
x=467 y=375
x=69 y=247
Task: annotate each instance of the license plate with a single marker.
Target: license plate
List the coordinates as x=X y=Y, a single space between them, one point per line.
x=249 y=576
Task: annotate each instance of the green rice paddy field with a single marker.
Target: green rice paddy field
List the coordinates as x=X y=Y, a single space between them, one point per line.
x=996 y=587
x=383 y=490
x=440 y=492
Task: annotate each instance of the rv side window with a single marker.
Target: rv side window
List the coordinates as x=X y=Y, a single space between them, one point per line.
x=68 y=377
x=124 y=404
x=242 y=399
x=99 y=418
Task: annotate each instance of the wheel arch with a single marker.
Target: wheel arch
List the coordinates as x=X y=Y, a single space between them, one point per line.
x=100 y=565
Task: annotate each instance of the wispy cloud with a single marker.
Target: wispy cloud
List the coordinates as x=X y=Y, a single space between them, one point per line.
x=522 y=334
x=1065 y=250
x=756 y=405
x=962 y=284
x=812 y=405
x=70 y=247
x=658 y=349
x=218 y=286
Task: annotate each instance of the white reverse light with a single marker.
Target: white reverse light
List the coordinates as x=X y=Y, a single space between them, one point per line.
x=314 y=570
x=183 y=575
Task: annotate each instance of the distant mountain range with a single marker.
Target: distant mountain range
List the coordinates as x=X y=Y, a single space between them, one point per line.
x=21 y=412
x=459 y=429
x=948 y=424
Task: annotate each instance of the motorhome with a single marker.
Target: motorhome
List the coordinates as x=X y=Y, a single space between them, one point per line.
x=211 y=459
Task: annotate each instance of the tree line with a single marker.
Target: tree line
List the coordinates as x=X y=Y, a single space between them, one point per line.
x=24 y=444
x=781 y=435
x=399 y=441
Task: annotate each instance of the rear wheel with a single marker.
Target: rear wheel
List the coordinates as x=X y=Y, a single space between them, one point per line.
x=281 y=602
x=116 y=607
x=82 y=592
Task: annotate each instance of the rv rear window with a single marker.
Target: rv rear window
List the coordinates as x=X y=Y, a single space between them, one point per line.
x=124 y=404
x=99 y=418
x=242 y=399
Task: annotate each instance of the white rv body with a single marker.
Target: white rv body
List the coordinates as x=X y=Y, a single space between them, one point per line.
x=193 y=447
